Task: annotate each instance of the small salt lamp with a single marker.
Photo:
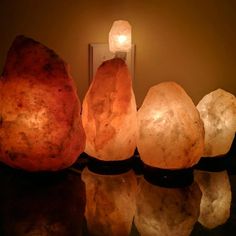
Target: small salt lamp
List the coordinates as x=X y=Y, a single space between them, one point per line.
x=170 y=131
x=216 y=197
x=40 y=122
x=120 y=36
x=166 y=211
x=109 y=113
x=218 y=112
x=110 y=202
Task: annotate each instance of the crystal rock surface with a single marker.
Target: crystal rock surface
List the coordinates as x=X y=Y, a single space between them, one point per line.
x=216 y=197
x=218 y=112
x=109 y=113
x=171 y=133
x=166 y=211
x=110 y=203
x=40 y=122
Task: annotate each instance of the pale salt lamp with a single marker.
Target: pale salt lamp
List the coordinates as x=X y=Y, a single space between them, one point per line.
x=110 y=202
x=40 y=127
x=166 y=211
x=218 y=112
x=216 y=197
x=120 y=36
x=109 y=113
x=170 y=131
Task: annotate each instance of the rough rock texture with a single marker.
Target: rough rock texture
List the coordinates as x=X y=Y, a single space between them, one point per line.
x=110 y=203
x=218 y=112
x=40 y=123
x=166 y=211
x=216 y=197
x=109 y=113
x=171 y=133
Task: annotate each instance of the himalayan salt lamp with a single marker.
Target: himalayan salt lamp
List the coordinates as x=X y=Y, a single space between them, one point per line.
x=218 y=112
x=110 y=202
x=40 y=126
x=166 y=211
x=171 y=133
x=120 y=36
x=41 y=204
x=109 y=113
x=216 y=197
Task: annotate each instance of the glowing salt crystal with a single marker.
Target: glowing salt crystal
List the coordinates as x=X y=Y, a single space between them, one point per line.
x=171 y=134
x=120 y=36
x=40 y=123
x=109 y=113
x=218 y=112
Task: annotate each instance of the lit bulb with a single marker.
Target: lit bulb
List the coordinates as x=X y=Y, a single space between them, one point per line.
x=122 y=39
x=120 y=36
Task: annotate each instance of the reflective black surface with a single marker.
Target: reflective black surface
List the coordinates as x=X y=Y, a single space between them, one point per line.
x=54 y=203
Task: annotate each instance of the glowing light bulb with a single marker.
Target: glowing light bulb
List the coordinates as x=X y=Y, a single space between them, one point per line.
x=122 y=39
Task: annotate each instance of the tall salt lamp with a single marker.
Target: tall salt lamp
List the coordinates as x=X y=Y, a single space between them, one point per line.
x=120 y=37
x=170 y=131
x=166 y=211
x=109 y=108
x=40 y=123
x=110 y=202
x=218 y=112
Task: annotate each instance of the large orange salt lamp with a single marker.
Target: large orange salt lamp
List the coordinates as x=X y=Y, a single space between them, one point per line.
x=171 y=133
x=109 y=113
x=40 y=127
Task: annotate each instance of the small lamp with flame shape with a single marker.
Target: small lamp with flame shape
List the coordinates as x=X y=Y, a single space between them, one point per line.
x=120 y=38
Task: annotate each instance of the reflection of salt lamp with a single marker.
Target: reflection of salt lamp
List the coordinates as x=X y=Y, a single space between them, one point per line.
x=30 y=204
x=120 y=36
x=166 y=211
x=216 y=197
x=109 y=113
x=218 y=112
x=110 y=203
x=40 y=125
x=171 y=134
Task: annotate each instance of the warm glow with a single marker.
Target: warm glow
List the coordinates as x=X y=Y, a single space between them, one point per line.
x=120 y=36
x=109 y=113
x=41 y=128
x=217 y=110
x=122 y=39
x=167 y=137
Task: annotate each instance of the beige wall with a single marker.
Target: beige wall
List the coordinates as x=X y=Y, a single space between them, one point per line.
x=191 y=42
